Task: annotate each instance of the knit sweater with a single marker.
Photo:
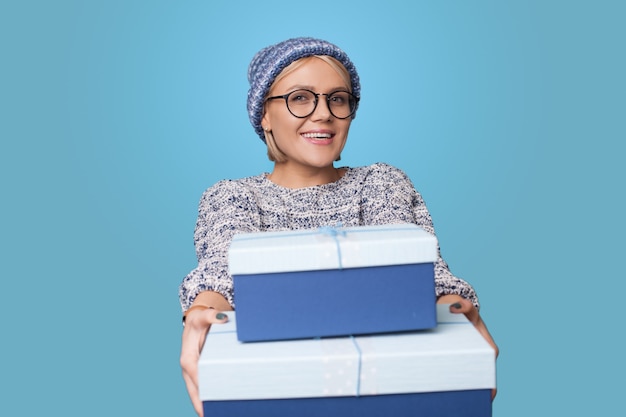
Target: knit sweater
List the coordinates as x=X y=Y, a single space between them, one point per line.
x=373 y=195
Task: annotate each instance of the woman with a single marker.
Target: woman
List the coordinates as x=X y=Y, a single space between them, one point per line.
x=303 y=96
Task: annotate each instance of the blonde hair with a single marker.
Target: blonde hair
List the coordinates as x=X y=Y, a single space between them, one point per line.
x=273 y=151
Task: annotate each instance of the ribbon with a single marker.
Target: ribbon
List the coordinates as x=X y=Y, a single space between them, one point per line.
x=334 y=233
x=358 y=373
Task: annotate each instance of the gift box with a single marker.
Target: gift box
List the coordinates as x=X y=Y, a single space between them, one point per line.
x=333 y=281
x=445 y=371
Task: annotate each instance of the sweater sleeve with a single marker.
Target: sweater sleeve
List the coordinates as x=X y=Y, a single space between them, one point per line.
x=402 y=203
x=224 y=210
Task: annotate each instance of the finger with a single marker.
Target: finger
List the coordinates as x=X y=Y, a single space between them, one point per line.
x=190 y=350
x=466 y=307
x=192 y=340
x=461 y=306
x=197 y=405
x=189 y=364
x=206 y=317
x=471 y=312
x=218 y=316
x=482 y=329
x=197 y=325
x=194 y=395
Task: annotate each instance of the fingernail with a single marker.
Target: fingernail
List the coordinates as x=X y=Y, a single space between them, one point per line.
x=220 y=316
x=456 y=305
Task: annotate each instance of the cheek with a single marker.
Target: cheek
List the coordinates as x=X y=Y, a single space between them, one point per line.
x=277 y=120
x=346 y=129
x=286 y=126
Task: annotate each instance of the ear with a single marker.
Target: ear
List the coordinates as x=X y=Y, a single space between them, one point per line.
x=265 y=123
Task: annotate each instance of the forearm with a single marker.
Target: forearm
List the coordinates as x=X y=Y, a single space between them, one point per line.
x=207 y=276
x=451 y=287
x=220 y=217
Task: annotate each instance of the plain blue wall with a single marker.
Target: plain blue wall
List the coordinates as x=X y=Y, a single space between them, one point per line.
x=116 y=115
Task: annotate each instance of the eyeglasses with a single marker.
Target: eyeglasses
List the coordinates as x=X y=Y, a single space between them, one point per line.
x=302 y=103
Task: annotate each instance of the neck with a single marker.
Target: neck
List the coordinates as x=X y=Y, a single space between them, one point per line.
x=291 y=177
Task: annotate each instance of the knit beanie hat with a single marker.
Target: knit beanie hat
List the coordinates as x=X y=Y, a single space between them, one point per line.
x=270 y=61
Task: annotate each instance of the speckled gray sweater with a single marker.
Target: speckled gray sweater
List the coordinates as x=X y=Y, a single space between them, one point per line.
x=372 y=195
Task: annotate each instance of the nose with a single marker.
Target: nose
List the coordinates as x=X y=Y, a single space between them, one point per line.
x=322 y=111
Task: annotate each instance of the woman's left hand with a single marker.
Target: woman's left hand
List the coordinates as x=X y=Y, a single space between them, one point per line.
x=460 y=305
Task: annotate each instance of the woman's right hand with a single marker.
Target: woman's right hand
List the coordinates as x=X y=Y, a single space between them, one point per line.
x=197 y=324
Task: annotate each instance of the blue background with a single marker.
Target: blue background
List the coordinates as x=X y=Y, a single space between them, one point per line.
x=116 y=115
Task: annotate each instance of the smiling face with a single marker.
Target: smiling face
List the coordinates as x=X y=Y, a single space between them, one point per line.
x=313 y=142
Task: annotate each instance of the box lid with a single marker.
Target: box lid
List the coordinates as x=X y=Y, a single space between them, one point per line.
x=231 y=370
x=451 y=357
x=330 y=248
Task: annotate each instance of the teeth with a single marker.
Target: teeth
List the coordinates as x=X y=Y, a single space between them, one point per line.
x=316 y=135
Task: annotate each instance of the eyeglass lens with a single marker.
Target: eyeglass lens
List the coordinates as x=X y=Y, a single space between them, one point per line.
x=302 y=103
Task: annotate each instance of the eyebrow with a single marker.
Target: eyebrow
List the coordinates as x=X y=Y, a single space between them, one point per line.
x=310 y=87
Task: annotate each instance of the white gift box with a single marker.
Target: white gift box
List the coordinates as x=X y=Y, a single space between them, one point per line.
x=334 y=281
x=447 y=370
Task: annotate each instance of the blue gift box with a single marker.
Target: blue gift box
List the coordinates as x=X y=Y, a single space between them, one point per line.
x=333 y=281
x=445 y=371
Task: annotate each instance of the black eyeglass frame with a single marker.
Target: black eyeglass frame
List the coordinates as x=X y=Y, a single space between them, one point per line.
x=317 y=95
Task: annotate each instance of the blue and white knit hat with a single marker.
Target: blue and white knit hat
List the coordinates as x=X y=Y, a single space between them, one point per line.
x=270 y=61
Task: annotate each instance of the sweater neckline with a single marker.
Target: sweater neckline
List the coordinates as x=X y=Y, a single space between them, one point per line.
x=269 y=183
